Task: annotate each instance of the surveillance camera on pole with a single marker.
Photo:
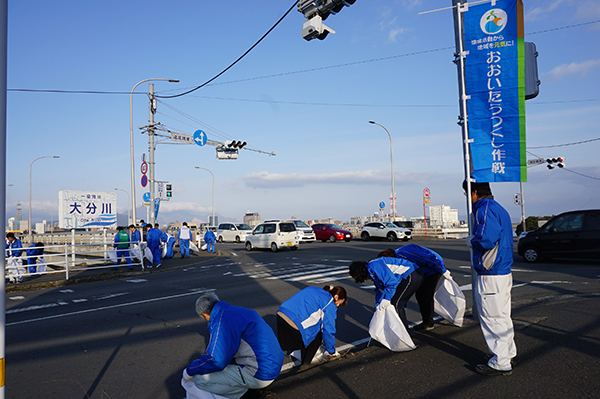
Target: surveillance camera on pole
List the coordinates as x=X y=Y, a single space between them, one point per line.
x=314 y=28
x=315 y=12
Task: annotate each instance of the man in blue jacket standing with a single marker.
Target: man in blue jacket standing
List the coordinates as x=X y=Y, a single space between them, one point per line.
x=491 y=241
x=209 y=238
x=243 y=355
x=153 y=238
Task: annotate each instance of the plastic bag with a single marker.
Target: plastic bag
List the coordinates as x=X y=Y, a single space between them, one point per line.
x=148 y=255
x=136 y=252
x=194 y=247
x=112 y=255
x=15 y=268
x=387 y=328
x=204 y=246
x=42 y=265
x=449 y=302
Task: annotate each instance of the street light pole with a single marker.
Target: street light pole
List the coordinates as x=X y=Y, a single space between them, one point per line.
x=131 y=140
x=30 y=165
x=393 y=203
x=213 y=193
x=128 y=206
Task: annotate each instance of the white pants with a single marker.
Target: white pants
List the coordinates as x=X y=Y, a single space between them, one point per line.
x=493 y=301
x=232 y=383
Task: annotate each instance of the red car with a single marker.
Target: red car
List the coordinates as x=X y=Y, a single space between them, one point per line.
x=330 y=232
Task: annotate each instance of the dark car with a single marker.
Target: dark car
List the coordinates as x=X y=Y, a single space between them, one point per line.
x=330 y=232
x=569 y=235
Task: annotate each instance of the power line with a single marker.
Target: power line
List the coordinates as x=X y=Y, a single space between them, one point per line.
x=236 y=61
x=567 y=144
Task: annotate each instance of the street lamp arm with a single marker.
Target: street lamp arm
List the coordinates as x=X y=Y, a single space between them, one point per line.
x=393 y=201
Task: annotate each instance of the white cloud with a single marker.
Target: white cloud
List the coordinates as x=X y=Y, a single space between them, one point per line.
x=277 y=180
x=574 y=68
x=393 y=33
x=543 y=11
x=183 y=207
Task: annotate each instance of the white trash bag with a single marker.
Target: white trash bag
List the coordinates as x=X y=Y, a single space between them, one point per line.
x=194 y=247
x=15 y=268
x=148 y=255
x=42 y=265
x=449 y=302
x=193 y=392
x=135 y=252
x=387 y=328
x=112 y=255
x=203 y=247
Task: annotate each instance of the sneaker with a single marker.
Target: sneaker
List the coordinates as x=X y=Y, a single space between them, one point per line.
x=181 y=256
x=484 y=369
x=424 y=327
x=157 y=266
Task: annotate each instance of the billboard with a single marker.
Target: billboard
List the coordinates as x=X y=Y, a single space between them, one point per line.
x=87 y=209
x=495 y=85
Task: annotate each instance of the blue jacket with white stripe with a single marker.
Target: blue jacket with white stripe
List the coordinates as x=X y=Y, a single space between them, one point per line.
x=239 y=336
x=429 y=261
x=387 y=273
x=313 y=310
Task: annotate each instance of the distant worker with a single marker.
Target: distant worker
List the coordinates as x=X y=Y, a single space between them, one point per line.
x=14 y=263
x=242 y=357
x=307 y=320
x=432 y=266
x=135 y=248
x=153 y=237
x=121 y=244
x=396 y=280
x=183 y=237
x=34 y=252
x=492 y=243
x=169 y=246
x=209 y=238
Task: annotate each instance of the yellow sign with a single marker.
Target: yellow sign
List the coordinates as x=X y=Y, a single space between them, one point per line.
x=426 y=200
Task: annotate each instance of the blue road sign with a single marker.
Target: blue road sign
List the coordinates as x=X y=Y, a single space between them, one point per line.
x=382 y=205
x=146 y=197
x=200 y=137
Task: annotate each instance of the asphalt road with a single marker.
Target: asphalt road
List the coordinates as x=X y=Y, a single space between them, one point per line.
x=131 y=337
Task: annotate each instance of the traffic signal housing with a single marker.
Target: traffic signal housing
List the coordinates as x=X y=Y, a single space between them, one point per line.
x=315 y=12
x=554 y=162
x=169 y=191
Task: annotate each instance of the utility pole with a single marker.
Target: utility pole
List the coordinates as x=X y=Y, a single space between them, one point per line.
x=151 y=152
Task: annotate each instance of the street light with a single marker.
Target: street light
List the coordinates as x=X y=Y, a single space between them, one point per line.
x=131 y=140
x=393 y=204
x=213 y=197
x=128 y=206
x=30 y=165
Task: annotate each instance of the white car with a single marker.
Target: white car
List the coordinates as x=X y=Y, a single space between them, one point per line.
x=274 y=235
x=234 y=232
x=386 y=230
x=305 y=232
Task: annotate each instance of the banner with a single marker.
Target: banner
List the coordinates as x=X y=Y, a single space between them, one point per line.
x=86 y=209
x=495 y=82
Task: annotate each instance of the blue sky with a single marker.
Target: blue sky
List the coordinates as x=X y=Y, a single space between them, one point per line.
x=308 y=102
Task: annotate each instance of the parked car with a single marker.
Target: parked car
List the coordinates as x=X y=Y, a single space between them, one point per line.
x=235 y=232
x=385 y=230
x=407 y=224
x=274 y=235
x=573 y=234
x=330 y=232
x=305 y=232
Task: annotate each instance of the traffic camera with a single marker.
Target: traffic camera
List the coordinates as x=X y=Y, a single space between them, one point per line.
x=316 y=11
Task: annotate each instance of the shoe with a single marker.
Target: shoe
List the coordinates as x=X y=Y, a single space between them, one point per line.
x=157 y=266
x=181 y=256
x=513 y=362
x=254 y=394
x=424 y=327
x=484 y=369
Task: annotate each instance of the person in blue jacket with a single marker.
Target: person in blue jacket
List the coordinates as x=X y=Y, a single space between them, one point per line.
x=432 y=266
x=14 y=265
x=242 y=353
x=170 y=244
x=308 y=318
x=209 y=238
x=396 y=280
x=34 y=252
x=153 y=238
x=121 y=244
x=183 y=237
x=491 y=241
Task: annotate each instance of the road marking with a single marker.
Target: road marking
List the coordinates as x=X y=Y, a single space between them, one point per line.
x=65 y=291
x=16 y=298
x=193 y=292
x=136 y=280
x=110 y=296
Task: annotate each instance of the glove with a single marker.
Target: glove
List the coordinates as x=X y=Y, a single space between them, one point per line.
x=383 y=304
x=469 y=238
x=333 y=355
x=447 y=275
x=186 y=376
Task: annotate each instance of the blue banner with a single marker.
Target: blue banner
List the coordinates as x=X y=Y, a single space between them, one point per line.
x=495 y=82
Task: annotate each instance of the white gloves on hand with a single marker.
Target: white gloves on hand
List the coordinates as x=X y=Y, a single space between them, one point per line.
x=383 y=304
x=447 y=275
x=186 y=376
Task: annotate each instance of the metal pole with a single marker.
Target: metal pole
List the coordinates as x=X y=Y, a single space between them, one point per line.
x=151 y=152
x=523 y=208
x=393 y=202
x=3 y=52
x=30 y=166
x=131 y=141
x=213 y=194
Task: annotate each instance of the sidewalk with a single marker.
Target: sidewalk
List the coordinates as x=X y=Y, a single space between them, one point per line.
x=85 y=275
x=558 y=343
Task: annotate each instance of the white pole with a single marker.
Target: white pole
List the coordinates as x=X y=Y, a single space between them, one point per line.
x=393 y=201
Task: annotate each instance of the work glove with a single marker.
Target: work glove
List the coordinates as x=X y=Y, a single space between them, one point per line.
x=186 y=376
x=447 y=275
x=383 y=304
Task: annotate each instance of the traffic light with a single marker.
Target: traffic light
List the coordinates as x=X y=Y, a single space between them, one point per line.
x=553 y=162
x=316 y=11
x=532 y=83
x=169 y=191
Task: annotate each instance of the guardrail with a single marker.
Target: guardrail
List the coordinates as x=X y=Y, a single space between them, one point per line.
x=441 y=233
x=65 y=258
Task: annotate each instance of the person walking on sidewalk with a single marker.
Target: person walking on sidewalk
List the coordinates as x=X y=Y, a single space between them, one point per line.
x=307 y=319
x=183 y=237
x=432 y=266
x=242 y=357
x=491 y=241
x=396 y=280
